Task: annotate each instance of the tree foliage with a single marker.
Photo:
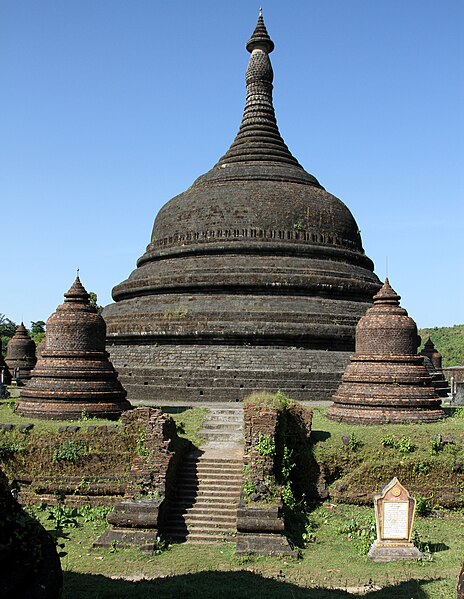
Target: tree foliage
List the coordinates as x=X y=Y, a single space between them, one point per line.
x=449 y=341
x=7 y=326
x=37 y=326
x=7 y=330
x=94 y=302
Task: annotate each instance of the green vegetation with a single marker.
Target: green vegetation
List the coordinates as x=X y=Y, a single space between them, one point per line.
x=265 y=445
x=37 y=331
x=7 y=330
x=189 y=422
x=333 y=560
x=70 y=451
x=354 y=462
x=427 y=458
x=274 y=400
x=449 y=341
x=7 y=414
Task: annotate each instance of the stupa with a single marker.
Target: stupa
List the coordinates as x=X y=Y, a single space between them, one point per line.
x=386 y=381
x=433 y=362
x=5 y=375
x=20 y=354
x=254 y=260
x=73 y=374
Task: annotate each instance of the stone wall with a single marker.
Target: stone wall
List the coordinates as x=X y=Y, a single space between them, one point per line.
x=137 y=460
x=271 y=429
x=173 y=372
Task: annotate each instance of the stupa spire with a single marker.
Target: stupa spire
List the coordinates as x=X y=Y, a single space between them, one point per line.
x=258 y=138
x=77 y=292
x=260 y=37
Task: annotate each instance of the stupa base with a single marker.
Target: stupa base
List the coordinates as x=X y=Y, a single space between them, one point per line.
x=354 y=414
x=50 y=410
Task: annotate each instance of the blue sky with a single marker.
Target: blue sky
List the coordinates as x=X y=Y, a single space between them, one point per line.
x=109 y=108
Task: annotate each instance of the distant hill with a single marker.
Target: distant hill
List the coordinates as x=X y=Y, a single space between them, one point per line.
x=449 y=341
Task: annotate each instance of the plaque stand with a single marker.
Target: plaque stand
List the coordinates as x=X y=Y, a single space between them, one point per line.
x=394 y=517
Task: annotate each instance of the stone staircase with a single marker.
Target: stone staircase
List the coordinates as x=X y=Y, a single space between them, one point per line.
x=209 y=482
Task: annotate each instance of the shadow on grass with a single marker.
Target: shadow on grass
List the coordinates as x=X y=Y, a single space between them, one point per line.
x=211 y=585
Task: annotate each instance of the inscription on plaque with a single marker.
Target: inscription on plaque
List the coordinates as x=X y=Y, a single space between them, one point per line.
x=395 y=520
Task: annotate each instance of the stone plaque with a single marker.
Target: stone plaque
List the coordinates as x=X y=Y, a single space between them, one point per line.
x=394 y=517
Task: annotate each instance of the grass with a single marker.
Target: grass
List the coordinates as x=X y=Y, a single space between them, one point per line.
x=364 y=462
x=7 y=414
x=326 y=566
x=189 y=422
x=358 y=461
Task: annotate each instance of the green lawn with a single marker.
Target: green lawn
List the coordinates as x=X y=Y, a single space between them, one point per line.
x=332 y=562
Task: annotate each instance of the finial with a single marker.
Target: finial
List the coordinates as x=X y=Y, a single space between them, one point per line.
x=77 y=272
x=77 y=291
x=260 y=11
x=260 y=38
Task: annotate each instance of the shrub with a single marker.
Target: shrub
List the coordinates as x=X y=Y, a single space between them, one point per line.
x=423 y=506
x=264 y=398
x=8 y=446
x=69 y=451
x=354 y=443
x=265 y=445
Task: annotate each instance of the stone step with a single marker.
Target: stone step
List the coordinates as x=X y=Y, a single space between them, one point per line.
x=230 y=471
x=303 y=372
x=201 y=537
x=207 y=519
x=322 y=392
x=203 y=525
x=208 y=508
x=217 y=505
x=226 y=426
x=221 y=436
x=212 y=461
x=212 y=491
x=211 y=479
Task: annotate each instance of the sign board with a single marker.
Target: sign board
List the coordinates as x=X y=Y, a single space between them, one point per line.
x=394 y=518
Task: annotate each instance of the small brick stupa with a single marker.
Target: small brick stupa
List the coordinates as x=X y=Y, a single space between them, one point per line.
x=73 y=374
x=386 y=381
x=5 y=376
x=433 y=363
x=20 y=354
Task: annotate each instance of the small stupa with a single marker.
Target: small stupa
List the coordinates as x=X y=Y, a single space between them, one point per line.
x=433 y=362
x=73 y=374
x=432 y=353
x=386 y=381
x=5 y=376
x=20 y=354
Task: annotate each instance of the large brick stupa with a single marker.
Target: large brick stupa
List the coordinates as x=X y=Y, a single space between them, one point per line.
x=255 y=276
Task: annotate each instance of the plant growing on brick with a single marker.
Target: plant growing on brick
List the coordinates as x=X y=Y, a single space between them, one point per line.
x=265 y=445
x=69 y=451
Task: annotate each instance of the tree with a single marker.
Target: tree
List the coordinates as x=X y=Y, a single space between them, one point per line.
x=37 y=326
x=7 y=330
x=7 y=326
x=94 y=302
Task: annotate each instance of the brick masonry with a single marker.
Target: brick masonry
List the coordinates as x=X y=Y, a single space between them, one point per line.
x=256 y=253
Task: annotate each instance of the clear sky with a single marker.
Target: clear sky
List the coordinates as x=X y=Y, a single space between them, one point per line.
x=108 y=108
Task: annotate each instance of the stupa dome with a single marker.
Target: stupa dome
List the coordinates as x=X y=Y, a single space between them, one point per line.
x=432 y=353
x=73 y=374
x=254 y=254
x=20 y=354
x=386 y=381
